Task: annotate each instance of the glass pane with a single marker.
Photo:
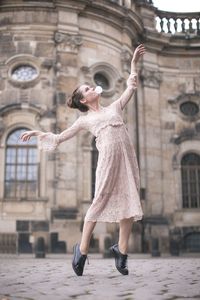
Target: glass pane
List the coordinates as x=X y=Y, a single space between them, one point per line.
x=185 y=189
x=189 y=108
x=9 y=189
x=13 y=138
x=11 y=155
x=21 y=172
x=32 y=189
x=185 y=202
x=32 y=141
x=184 y=174
x=191 y=159
x=10 y=172
x=193 y=202
x=102 y=80
x=24 y=73
x=32 y=155
x=193 y=188
x=22 y=155
x=192 y=175
x=21 y=189
x=32 y=173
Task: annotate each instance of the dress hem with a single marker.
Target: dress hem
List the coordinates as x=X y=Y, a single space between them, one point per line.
x=135 y=219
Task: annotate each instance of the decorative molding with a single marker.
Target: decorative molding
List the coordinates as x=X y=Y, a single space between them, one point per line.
x=23 y=59
x=113 y=76
x=67 y=42
x=186 y=146
x=177 y=101
x=21 y=106
x=151 y=78
x=186 y=134
x=197 y=84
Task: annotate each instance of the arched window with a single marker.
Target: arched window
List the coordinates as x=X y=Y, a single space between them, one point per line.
x=190 y=171
x=94 y=165
x=21 y=168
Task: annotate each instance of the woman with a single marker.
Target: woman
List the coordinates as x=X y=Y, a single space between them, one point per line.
x=117 y=184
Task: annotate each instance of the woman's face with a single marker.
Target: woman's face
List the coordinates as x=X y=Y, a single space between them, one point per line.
x=89 y=94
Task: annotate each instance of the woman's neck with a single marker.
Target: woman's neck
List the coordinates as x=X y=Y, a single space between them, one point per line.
x=94 y=107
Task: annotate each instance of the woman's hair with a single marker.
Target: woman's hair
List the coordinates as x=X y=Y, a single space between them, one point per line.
x=74 y=101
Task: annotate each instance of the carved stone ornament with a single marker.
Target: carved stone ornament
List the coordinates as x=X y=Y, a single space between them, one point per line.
x=151 y=78
x=67 y=42
x=197 y=84
x=114 y=78
x=193 y=107
x=186 y=134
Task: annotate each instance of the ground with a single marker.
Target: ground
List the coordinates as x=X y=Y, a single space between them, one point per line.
x=24 y=277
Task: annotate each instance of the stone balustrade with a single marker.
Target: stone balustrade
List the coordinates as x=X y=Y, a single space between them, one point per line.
x=173 y=23
x=127 y=3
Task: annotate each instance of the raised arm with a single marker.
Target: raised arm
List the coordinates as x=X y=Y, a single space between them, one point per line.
x=48 y=141
x=132 y=80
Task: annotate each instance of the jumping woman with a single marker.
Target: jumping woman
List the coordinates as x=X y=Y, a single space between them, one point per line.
x=117 y=185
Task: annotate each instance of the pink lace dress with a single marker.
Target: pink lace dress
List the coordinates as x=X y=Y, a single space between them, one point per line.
x=117 y=174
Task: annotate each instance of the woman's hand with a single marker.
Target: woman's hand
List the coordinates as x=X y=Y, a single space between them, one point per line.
x=139 y=52
x=25 y=136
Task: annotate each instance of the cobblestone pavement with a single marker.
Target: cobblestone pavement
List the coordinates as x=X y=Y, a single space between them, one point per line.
x=52 y=278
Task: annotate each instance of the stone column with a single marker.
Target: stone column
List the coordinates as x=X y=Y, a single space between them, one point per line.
x=152 y=140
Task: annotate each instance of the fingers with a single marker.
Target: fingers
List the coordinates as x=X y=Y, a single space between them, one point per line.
x=26 y=136
x=141 y=49
x=141 y=46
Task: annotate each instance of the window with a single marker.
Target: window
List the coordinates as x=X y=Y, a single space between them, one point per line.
x=189 y=108
x=21 y=169
x=192 y=242
x=102 y=80
x=94 y=165
x=190 y=172
x=24 y=73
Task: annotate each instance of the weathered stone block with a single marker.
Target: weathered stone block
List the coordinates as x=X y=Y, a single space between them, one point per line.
x=44 y=50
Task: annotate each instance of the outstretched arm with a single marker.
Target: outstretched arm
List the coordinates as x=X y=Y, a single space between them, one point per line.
x=49 y=141
x=132 y=80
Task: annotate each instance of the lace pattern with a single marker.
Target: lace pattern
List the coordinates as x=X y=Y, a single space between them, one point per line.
x=117 y=178
x=48 y=141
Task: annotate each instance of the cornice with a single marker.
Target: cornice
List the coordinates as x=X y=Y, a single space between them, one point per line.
x=172 y=45
x=120 y=17
x=20 y=106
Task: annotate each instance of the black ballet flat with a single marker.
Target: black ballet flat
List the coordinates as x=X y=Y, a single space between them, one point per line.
x=78 y=261
x=120 y=260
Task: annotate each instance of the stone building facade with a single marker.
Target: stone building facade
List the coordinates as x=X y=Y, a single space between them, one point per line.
x=49 y=47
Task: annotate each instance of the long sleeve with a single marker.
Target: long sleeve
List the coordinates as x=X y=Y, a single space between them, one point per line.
x=128 y=93
x=49 y=141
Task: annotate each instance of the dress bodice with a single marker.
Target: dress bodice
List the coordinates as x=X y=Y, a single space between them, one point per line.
x=94 y=121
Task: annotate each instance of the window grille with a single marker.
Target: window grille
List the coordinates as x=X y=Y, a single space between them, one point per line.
x=190 y=172
x=21 y=167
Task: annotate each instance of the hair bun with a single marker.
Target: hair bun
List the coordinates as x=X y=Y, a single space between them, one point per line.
x=70 y=103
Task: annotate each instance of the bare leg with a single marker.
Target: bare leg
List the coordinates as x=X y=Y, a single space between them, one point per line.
x=88 y=228
x=124 y=233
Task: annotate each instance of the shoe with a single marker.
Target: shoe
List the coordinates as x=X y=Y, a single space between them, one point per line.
x=78 y=261
x=120 y=260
